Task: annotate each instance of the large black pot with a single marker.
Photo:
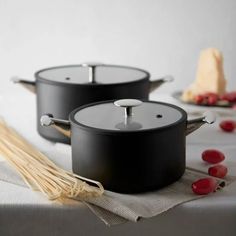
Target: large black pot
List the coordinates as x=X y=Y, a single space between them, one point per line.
x=62 y=89
x=137 y=148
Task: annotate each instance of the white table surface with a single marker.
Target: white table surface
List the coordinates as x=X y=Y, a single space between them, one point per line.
x=23 y=212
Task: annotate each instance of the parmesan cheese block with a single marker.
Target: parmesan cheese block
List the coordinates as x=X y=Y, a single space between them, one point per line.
x=209 y=77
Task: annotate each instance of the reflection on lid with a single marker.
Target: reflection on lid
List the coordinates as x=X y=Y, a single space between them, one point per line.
x=102 y=74
x=130 y=125
x=149 y=115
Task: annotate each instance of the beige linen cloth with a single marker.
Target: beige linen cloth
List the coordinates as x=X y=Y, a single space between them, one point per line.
x=114 y=208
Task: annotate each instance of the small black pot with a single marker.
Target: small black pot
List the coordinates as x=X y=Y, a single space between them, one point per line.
x=62 y=89
x=135 y=149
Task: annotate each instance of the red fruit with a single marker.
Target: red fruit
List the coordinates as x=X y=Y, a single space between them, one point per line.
x=204 y=186
x=227 y=125
x=213 y=156
x=199 y=99
x=207 y=98
x=212 y=100
x=230 y=97
x=218 y=171
x=223 y=97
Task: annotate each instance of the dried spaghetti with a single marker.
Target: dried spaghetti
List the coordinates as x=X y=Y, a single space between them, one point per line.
x=41 y=174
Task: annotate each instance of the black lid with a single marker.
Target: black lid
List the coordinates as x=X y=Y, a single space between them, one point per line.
x=127 y=115
x=91 y=73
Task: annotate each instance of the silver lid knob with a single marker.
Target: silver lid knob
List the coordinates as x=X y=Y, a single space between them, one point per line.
x=91 y=67
x=128 y=104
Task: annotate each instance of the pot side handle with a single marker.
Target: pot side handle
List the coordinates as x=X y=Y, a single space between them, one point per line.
x=154 y=84
x=207 y=118
x=63 y=126
x=29 y=85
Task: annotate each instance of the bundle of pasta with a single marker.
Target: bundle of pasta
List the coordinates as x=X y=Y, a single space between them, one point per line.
x=41 y=174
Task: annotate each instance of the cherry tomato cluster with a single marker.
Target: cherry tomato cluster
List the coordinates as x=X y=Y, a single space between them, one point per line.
x=228 y=125
x=212 y=99
x=208 y=185
x=229 y=97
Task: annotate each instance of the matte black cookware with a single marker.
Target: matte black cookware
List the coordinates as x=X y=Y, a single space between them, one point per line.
x=62 y=89
x=128 y=145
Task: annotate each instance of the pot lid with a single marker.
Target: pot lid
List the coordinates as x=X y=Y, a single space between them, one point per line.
x=128 y=115
x=92 y=73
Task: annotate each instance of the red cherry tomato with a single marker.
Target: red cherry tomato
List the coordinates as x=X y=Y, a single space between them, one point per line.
x=218 y=171
x=230 y=97
x=199 y=99
x=213 y=156
x=207 y=98
x=204 y=186
x=212 y=100
x=223 y=97
x=227 y=125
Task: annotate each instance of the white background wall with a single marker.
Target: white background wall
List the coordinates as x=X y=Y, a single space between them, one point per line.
x=162 y=36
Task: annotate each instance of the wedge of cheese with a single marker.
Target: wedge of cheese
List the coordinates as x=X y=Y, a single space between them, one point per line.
x=209 y=77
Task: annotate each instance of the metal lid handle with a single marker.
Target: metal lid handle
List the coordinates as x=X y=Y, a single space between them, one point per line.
x=208 y=118
x=63 y=126
x=30 y=85
x=128 y=104
x=92 y=68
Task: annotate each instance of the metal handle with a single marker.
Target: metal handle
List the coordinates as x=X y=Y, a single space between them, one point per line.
x=91 y=68
x=29 y=85
x=208 y=118
x=157 y=83
x=63 y=126
x=128 y=104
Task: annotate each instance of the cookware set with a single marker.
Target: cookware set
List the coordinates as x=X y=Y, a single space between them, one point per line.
x=62 y=89
x=118 y=137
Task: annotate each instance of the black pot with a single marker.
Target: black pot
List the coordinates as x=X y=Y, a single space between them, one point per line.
x=137 y=148
x=62 y=89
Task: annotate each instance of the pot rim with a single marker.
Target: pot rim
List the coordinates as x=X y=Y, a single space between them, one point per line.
x=122 y=132
x=41 y=79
